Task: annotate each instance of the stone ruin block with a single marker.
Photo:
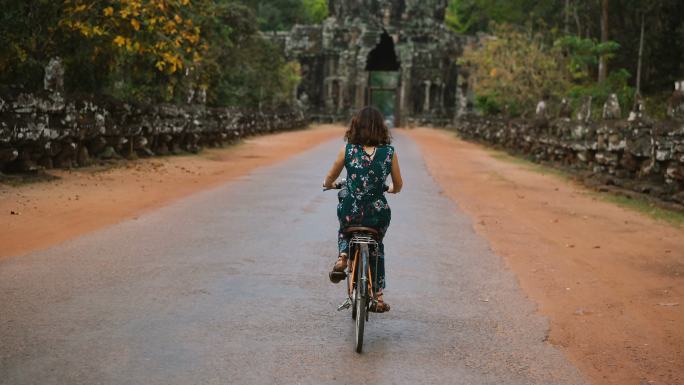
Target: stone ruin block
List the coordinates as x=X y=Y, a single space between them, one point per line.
x=640 y=154
x=611 y=108
x=675 y=107
x=76 y=133
x=53 y=80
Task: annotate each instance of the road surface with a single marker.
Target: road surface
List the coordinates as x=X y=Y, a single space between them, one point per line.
x=229 y=286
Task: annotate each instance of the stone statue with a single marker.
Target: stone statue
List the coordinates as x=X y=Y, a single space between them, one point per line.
x=201 y=96
x=565 y=110
x=611 y=109
x=190 y=96
x=584 y=112
x=541 y=110
x=675 y=106
x=639 y=109
x=54 y=75
x=303 y=101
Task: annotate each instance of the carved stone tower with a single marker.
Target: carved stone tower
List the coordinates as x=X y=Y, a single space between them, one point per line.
x=397 y=54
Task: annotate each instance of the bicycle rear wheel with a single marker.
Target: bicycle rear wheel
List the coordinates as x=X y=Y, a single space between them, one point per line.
x=354 y=310
x=361 y=300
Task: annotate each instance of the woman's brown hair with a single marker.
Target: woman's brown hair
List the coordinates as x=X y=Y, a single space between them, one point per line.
x=368 y=128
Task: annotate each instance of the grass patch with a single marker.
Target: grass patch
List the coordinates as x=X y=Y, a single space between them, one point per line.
x=530 y=165
x=643 y=206
x=18 y=180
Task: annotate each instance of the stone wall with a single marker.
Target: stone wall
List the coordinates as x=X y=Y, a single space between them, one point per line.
x=638 y=154
x=42 y=131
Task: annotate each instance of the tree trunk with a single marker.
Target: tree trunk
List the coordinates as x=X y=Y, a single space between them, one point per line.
x=641 y=54
x=566 y=20
x=578 y=24
x=603 y=65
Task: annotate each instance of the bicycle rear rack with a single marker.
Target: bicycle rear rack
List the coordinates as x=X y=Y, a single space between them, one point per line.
x=363 y=239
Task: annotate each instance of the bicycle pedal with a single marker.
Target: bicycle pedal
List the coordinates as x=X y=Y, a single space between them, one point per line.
x=345 y=305
x=337 y=276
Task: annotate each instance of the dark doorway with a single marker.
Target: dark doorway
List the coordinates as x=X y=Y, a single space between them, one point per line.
x=382 y=90
x=383 y=79
x=383 y=57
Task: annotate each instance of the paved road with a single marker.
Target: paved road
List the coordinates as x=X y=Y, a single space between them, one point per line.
x=229 y=286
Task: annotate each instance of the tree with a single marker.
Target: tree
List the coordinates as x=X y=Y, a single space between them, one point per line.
x=471 y=16
x=141 y=42
x=240 y=67
x=663 y=50
x=275 y=15
x=148 y=50
x=603 y=61
x=514 y=70
x=28 y=38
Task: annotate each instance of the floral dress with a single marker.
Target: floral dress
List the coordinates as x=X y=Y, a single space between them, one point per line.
x=362 y=201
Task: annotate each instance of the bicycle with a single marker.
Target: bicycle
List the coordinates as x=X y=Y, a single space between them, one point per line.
x=360 y=278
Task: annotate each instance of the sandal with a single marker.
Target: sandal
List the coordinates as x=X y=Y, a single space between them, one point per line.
x=338 y=272
x=379 y=306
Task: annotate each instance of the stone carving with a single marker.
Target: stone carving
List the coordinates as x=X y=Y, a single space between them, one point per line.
x=638 y=111
x=584 y=112
x=406 y=36
x=202 y=95
x=51 y=132
x=611 y=108
x=540 y=111
x=54 y=75
x=565 y=111
x=675 y=107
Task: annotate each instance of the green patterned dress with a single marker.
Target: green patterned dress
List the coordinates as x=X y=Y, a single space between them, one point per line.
x=363 y=200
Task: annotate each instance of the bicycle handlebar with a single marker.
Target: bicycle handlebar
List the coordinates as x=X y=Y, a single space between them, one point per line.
x=336 y=186
x=342 y=182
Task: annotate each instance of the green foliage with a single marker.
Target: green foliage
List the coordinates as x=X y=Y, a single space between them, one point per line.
x=316 y=10
x=517 y=68
x=278 y=15
x=514 y=70
x=491 y=104
x=27 y=40
x=616 y=83
x=471 y=16
x=583 y=54
x=582 y=57
x=241 y=68
x=664 y=31
x=156 y=50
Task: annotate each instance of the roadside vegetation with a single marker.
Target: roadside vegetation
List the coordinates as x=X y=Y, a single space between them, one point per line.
x=588 y=49
x=157 y=50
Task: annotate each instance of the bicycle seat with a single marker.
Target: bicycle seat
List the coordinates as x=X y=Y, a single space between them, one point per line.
x=361 y=229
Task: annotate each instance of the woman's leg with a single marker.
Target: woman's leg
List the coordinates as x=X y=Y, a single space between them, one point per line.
x=342 y=243
x=341 y=264
x=379 y=253
x=381 y=305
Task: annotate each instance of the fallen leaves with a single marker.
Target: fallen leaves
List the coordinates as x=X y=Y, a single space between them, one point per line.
x=668 y=304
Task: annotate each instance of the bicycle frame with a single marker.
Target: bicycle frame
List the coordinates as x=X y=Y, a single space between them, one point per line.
x=355 y=245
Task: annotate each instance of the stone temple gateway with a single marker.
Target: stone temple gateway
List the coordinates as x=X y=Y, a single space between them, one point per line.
x=395 y=54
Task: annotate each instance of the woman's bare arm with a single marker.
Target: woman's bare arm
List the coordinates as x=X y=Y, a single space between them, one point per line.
x=335 y=170
x=397 y=182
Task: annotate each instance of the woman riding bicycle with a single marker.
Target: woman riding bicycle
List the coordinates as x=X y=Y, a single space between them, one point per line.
x=369 y=160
